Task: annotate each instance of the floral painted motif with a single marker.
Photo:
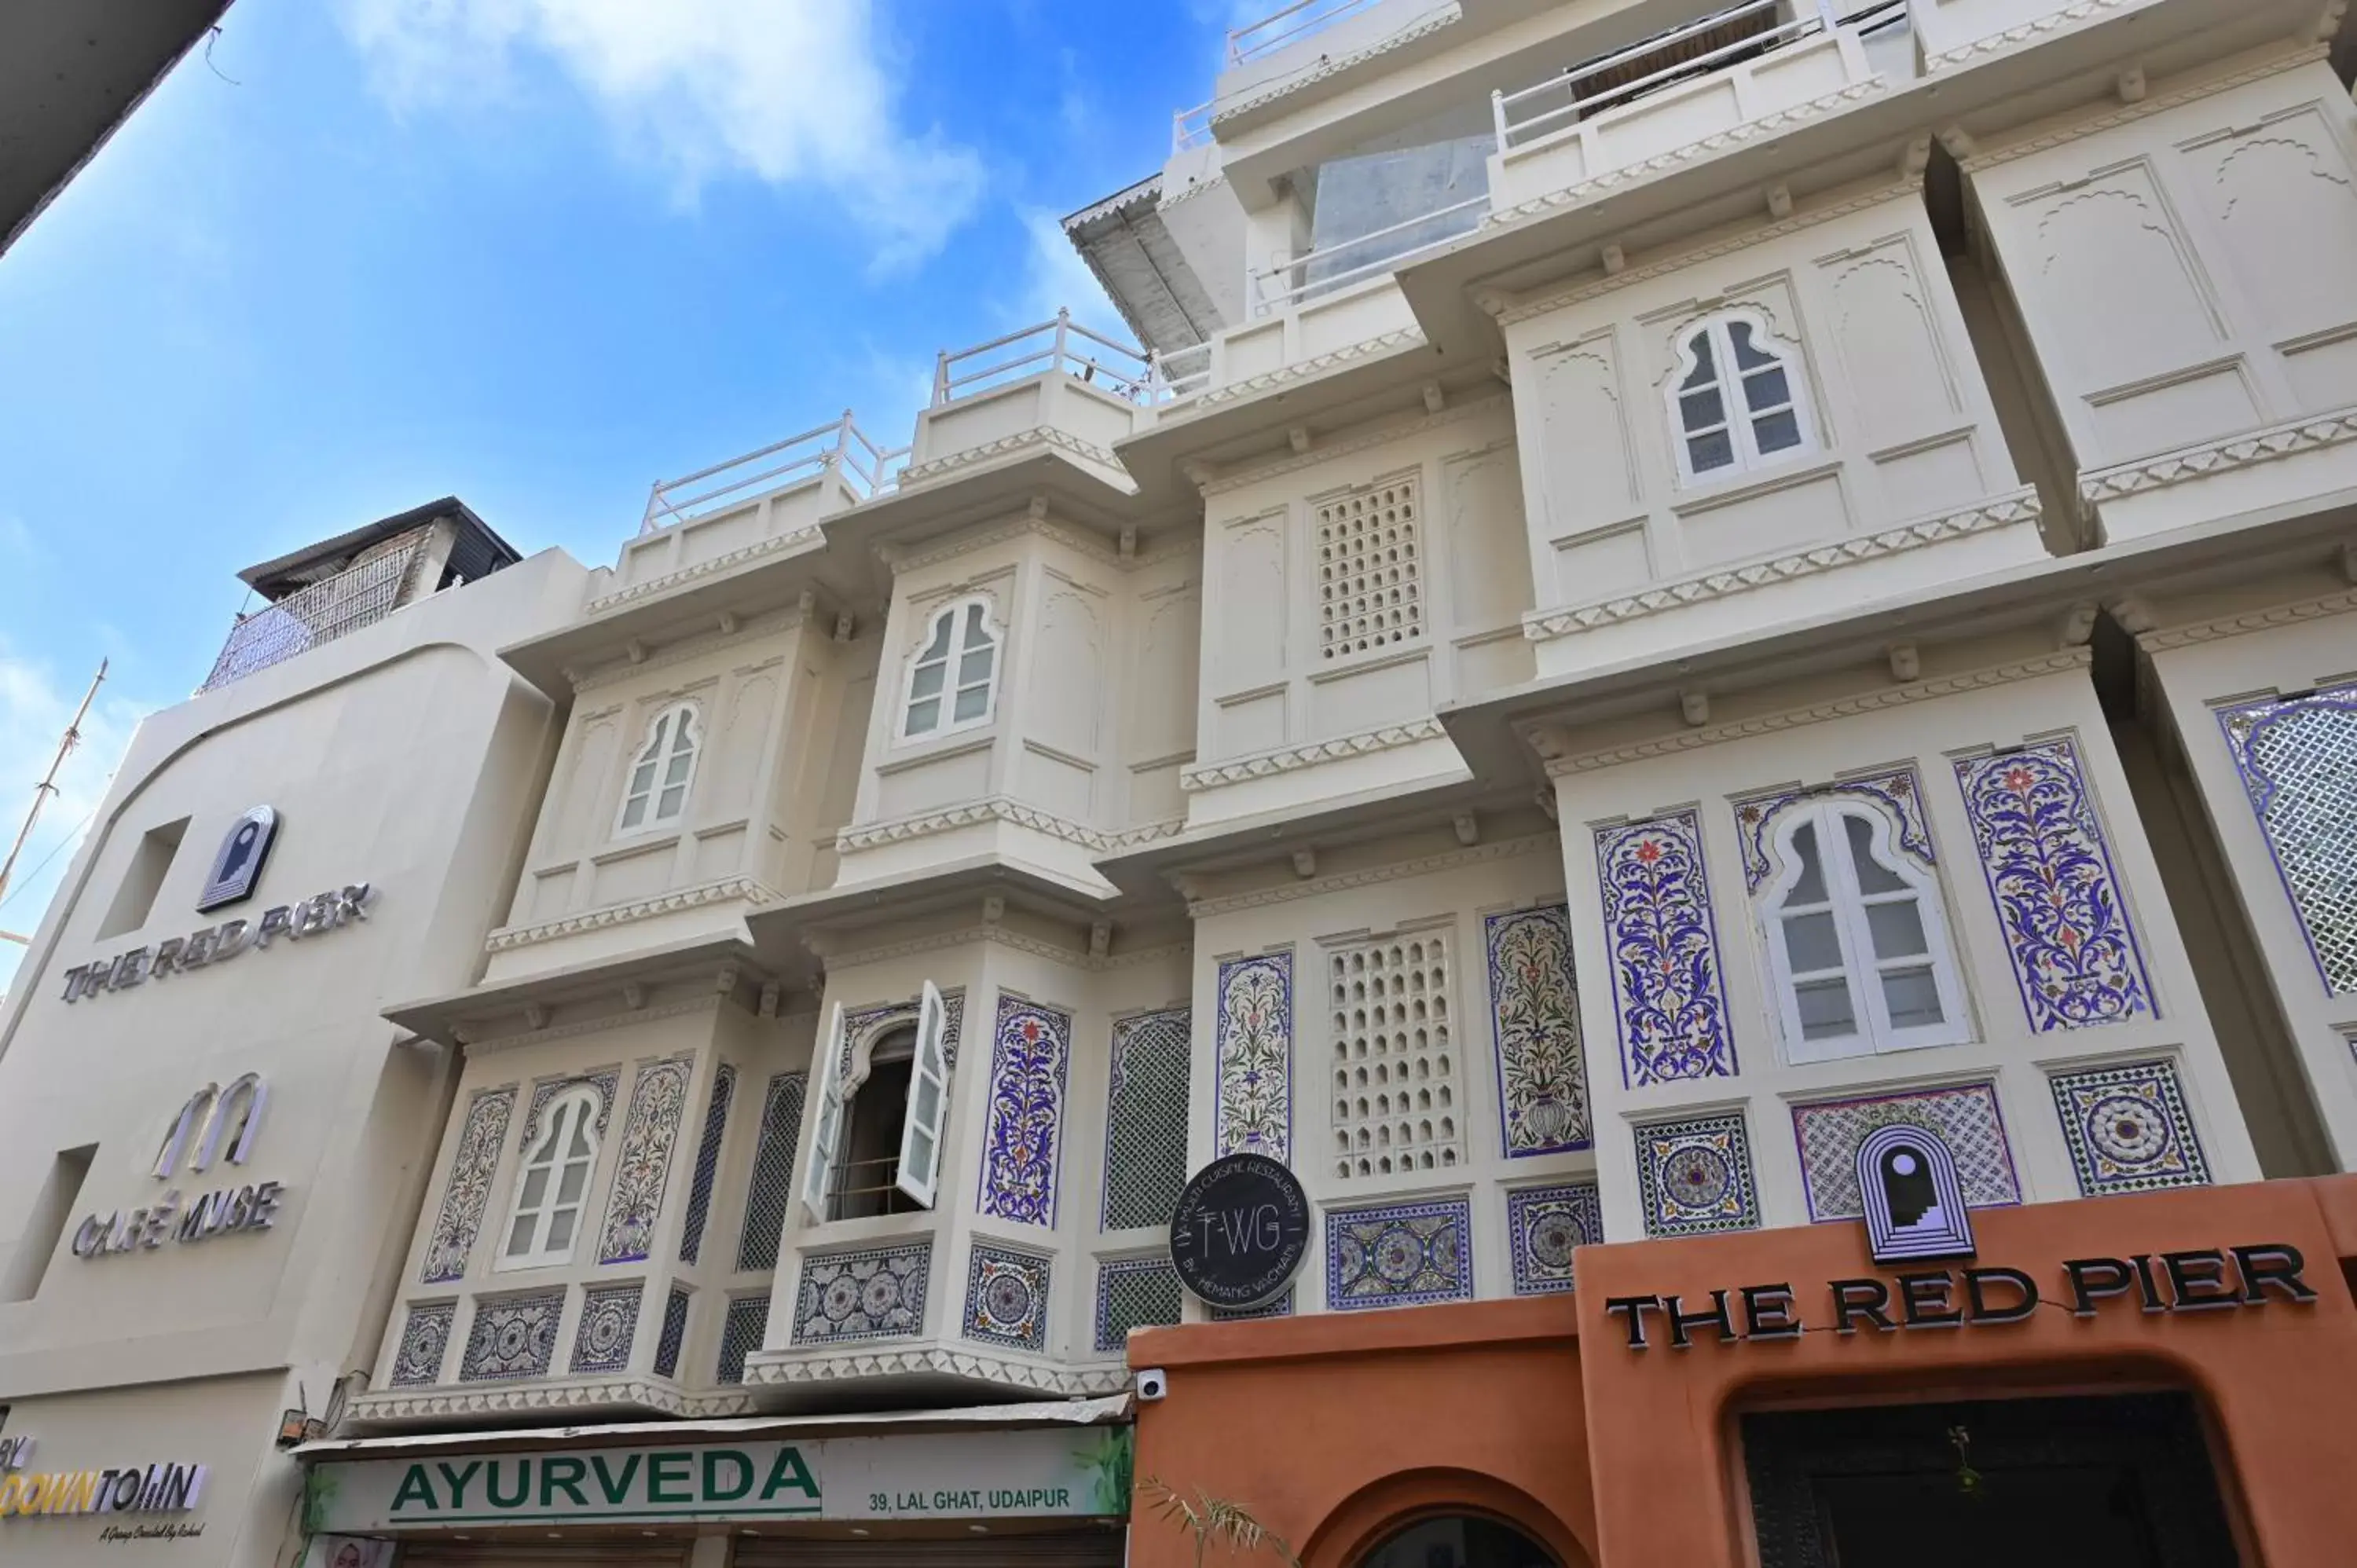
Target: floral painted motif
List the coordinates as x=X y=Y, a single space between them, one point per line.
x=469 y=1188
x=1695 y=1176
x=425 y=1339
x=1542 y=1225
x=2057 y=898
x=1534 y=1021
x=1031 y=1054
x=877 y=1293
x=1965 y=1117
x=513 y=1336
x=2297 y=756
x=605 y=1082
x=2129 y=1129
x=1007 y=1297
x=658 y=1103
x=1898 y=790
x=1665 y=980
x=707 y=1164
x=609 y=1321
x=1399 y=1256
x=1255 y=1053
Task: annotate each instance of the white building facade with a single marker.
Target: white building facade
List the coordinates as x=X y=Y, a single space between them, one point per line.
x=1632 y=625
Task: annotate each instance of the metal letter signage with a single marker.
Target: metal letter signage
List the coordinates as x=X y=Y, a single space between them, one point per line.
x=1240 y=1231
x=223 y=1123
x=239 y=864
x=1914 y=1204
x=326 y=911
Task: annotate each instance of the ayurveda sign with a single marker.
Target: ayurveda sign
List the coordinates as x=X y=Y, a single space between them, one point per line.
x=1071 y=1472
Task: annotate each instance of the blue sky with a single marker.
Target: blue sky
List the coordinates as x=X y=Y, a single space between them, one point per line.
x=534 y=252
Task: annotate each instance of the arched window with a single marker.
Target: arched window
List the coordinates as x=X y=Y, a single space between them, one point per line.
x=1856 y=943
x=1458 y=1540
x=1736 y=402
x=553 y=1186
x=882 y=1105
x=960 y=640
x=663 y=771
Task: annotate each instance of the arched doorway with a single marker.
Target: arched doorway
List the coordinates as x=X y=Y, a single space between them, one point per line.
x=1458 y=1540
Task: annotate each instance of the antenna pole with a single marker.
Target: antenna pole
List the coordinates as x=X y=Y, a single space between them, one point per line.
x=49 y=785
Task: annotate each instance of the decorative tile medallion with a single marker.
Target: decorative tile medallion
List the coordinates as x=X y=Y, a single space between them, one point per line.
x=1029 y=1055
x=2056 y=897
x=1399 y=1255
x=1254 y=1054
x=771 y=1191
x=1695 y=1176
x=658 y=1105
x=1007 y=1297
x=707 y=1164
x=1542 y=1225
x=2129 y=1129
x=1146 y=1120
x=424 y=1338
x=1666 y=983
x=604 y=1081
x=674 y=1333
x=877 y=1293
x=2297 y=756
x=513 y=1336
x=1898 y=791
x=1534 y=1024
x=1134 y=1293
x=609 y=1319
x=1965 y=1118
x=740 y=1334
x=469 y=1188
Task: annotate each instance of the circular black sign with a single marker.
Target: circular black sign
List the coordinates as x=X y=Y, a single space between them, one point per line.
x=1240 y=1231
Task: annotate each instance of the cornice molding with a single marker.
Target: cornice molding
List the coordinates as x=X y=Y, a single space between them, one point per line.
x=600 y=1025
x=982 y=535
x=2128 y=114
x=680 y=652
x=2015 y=509
x=1440 y=16
x=1382 y=435
x=1394 y=871
x=1188 y=192
x=1299 y=371
x=1385 y=737
x=2183 y=467
x=458 y=1399
x=768 y=1367
x=1850 y=706
x=1808 y=219
x=1147 y=189
x=1661 y=163
x=1038 y=435
x=998 y=808
x=742 y=888
x=1037 y=946
x=2267 y=619
x=774 y=545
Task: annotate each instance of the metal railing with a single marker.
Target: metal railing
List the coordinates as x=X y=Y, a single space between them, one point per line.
x=1180 y=374
x=359 y=596
x=1383 y=249
x=1062 y=344
x=876 y=1191
x=1190 y=127
x=1540 y=110
x=839 y=446
x=1256 y=40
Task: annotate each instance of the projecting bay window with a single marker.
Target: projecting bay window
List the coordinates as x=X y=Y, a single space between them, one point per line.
x=882 y=1102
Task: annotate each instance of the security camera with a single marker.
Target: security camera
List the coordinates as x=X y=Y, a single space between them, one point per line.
x=1153 y=1383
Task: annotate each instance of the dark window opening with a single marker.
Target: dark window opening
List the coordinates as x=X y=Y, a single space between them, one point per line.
x=1458 y=1540
x=135 y=898
x=866 y=1178
x=46 y=1227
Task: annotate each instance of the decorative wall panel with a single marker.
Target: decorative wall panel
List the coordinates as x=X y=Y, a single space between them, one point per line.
x=1134 y=1293
x=675 y=1332
x=1399 y=1255
x=772 y=1187
x=1146 y=1119
x=741 y=1334
x=1898 y=791
x=1665 y=977
x=605 y=1082
x=609 y=1320
x=1534 y=1024
x=875 y=1293
x=1695 y=1176
x=1393 y=1057
x=1965 y=1118
x=1370 y=569
x=642 y=1171
x=513 y=1336
x=1007 y=1297
x=425 y=1339
x=707 y=1164
x=1542 y=1225
x=861 y=1022
x=2129 y=1129
x=2056 y=897
x=1254 y=1057
x=1030 y=1056
x=469 y=1190
x=2297 y=756
x=1281 y=1307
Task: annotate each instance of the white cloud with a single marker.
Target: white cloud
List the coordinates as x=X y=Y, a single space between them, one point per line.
x=36 y=704
x=788 y=91
x=1054 y=277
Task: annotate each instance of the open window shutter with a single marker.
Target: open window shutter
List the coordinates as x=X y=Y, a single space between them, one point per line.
x=829 y=1137
x=920 y=1130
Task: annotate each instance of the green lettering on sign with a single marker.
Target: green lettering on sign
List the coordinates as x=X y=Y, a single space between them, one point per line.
x=414 y=1487
x=458 y=1479
x=712 y=1459
x=614 y=1487
x=788 y=1470
x=564 y=1473
x=661 y=1474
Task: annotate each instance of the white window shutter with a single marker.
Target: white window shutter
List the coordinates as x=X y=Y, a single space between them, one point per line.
x=829 y=1134
x=929 y=1075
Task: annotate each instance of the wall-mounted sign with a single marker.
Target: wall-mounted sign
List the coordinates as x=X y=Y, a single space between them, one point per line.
x=217 y=944
x=1240 y=1231
x=1071 y=1472
x=1914 y=1203
x=221 y=1123
x=2206 y=1280
x=238 y=864
x=128 y=1488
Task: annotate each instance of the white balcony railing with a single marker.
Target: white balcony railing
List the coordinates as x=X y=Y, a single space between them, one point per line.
x=1191 y=128
x=1180 y=374
x=1061 y=344
x=1257 y=40
x=839 y=446
x=1346 y=262
x=357 y=596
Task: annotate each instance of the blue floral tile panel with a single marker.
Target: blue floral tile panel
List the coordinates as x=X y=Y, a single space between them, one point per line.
x=1399 y=1255
x=1695 y=1176
x=1542 y=1225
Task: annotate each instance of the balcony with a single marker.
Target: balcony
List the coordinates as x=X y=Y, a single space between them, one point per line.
x=352 y=599
x=1323 y=42
x=1056 y=386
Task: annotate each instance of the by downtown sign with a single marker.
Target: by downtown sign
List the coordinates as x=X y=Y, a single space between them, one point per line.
x=1075 y=1471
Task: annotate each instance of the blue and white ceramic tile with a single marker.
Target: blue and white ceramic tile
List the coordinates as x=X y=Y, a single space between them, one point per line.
x=1896 y=790
x=1534 y=1024
x=1665 y=968
x=643 y=1170
x=464 y=1195
x=1400 y=1254
x=878 y=1293
x=2129 y=1129
x=425 y=1339
x=2297 y=756
x=707 y=1164
x=1134 y=1293
x=513 y=1336
x=1030 y=1056
x=1253 y=1052
x=740 y=1334
x=675 y=1332
x=609 y=1320
x=1966 y=1117
x=1542 y=1225
x=771 y=1190
x=1695 y=1176
x=1007 y=1296
x=1146 y=1120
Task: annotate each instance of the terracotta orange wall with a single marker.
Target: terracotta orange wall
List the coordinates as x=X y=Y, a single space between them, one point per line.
x=1331 y=1429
